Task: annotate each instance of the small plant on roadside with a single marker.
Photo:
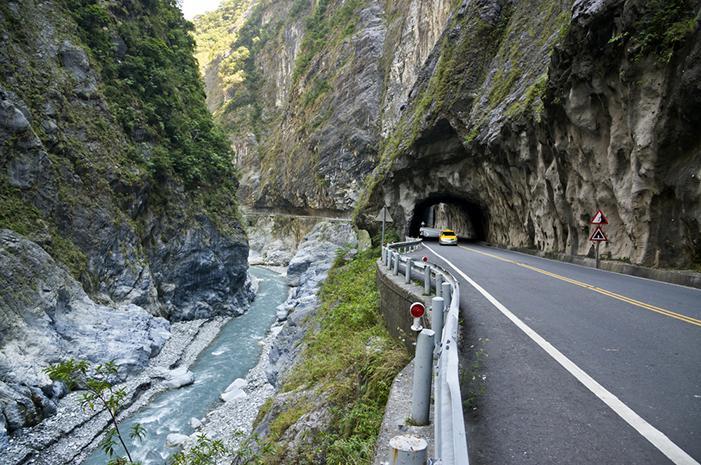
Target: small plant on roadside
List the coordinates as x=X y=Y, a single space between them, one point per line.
x=206 y=451
x=100 y=392
x=473 y=381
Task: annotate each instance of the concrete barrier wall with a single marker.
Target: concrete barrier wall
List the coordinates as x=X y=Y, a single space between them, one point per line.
x=395 y=299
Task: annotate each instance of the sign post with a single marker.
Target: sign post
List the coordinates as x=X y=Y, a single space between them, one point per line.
x=385 y=218
x=598 y=236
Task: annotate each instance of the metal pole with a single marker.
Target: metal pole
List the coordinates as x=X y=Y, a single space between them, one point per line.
x=597 y=254
x=437 y=306
x=446 y=294
x=384 y=214
x=427 y=280
x=407 y=270
x=396 y=263
x=439 y=285
x=407 y=450
x=421 y=392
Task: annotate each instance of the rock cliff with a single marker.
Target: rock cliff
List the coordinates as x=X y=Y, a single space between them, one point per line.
x=117 y=191
x=559 y=109
x=526 y=116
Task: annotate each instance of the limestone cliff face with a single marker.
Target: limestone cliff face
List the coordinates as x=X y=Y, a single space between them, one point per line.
x=304 y=118
x=108 y=155
x=534 y=114
x=116 y=193
x=526 y=116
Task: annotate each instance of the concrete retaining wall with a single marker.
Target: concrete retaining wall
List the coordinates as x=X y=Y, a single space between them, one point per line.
x=395 y=299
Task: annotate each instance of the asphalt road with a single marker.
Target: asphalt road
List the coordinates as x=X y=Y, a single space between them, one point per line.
x=549 y=344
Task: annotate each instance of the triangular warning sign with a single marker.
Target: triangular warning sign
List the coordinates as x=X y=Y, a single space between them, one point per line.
x=599 y=218
x=598 y=236
x=385 y=212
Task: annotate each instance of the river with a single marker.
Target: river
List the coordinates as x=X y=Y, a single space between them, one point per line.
x=231 y=355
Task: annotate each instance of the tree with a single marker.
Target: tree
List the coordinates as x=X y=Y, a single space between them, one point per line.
x=97 y=381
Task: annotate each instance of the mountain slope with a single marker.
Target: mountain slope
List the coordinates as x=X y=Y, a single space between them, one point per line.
x=117 y=193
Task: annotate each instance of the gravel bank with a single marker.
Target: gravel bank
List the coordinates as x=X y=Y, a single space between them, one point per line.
x=67 y=437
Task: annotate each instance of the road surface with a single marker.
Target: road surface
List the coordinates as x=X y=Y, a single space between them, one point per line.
x=574 y=365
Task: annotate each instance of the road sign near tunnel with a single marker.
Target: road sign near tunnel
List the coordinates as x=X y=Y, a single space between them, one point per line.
x=384 y=216
x=599 y=218
x=598 y=235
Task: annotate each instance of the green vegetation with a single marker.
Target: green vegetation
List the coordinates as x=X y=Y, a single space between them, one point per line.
x=325 y=28
x=99 y=392
x=662 y=26
x=237 y=47
x=533 y=92
x=205 y=452
x=350 y=361
x=153 y=87
x=217 y=30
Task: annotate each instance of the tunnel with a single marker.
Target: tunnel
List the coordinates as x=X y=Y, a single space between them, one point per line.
x=447 y=211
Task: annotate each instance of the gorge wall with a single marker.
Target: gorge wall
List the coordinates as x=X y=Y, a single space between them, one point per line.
x=528 y=115
x=117 y=192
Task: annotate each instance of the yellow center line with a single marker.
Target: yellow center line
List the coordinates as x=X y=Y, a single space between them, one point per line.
x=614 y=295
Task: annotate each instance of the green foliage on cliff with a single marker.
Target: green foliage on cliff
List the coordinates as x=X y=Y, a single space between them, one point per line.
x=145 y=56
x=662 y=26
x=119 y=143
x=325 y=27
x=350 y=361
x=217 y=30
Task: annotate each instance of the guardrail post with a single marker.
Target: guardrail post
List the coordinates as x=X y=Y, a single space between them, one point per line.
x=423 y=374
x=439 y=283
x=446 y=294
x=396 y=263
x=408 y=450
x=427 y=280
x=437 y=306
x=407 y=270
x=388 y=257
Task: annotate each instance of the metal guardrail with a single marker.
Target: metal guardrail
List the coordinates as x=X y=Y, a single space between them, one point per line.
x=449 y=423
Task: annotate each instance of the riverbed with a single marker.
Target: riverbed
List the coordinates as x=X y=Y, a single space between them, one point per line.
x=230 y=355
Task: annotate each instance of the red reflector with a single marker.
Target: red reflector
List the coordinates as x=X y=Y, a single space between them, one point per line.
x=417 y=309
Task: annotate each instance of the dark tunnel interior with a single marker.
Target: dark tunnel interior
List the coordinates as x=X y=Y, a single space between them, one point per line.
x=447 y=211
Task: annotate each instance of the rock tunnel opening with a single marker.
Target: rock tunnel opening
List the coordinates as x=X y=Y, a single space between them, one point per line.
x=445 y=211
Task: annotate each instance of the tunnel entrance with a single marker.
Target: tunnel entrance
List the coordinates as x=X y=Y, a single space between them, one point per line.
x=446 y=211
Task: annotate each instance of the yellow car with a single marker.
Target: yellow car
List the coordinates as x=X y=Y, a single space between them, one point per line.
x=448 y=237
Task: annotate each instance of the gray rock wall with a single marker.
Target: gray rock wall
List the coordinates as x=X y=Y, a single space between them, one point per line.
x=46 y=317
x=537 y=114
x=100 y=234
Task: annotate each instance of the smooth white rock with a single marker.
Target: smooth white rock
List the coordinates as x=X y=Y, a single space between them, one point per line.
x=176 y=439
x=178 y=378
x=195 y=423
x=234 y=394
x=239 y=383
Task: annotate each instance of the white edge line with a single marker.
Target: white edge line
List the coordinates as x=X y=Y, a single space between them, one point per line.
x=649 y=432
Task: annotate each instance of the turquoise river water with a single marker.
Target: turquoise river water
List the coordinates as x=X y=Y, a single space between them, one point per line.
x=231 y=355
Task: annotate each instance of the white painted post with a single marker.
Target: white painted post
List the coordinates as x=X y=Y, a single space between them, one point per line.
x=446 y=294
x=407 y=270
x=427 y=279
x=439 y=282
x=396 y=263
x=388 y=257
x=408 y=450
x=437 y=306
x=423 y=374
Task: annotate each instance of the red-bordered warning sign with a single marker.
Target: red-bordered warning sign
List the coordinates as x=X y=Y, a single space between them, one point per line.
x=598 y=235
x=599 y=218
